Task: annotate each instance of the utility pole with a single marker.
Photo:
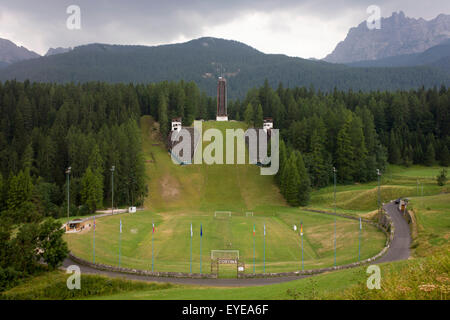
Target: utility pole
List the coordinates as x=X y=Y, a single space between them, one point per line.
x=112 y=188
x=417 y=187
x=421 y=199
x=69 y=169
x=334 y=175
x=379 y=194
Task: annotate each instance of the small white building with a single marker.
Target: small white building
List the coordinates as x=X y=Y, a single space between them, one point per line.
x=268 y=124
x=176 y=124
x=132 y=209
x=222 y=118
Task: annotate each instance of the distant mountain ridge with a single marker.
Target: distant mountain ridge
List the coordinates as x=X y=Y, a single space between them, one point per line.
x=398 y=35
x=59 y=50
x=436 y=56
x=11 y=53
x=203 y=60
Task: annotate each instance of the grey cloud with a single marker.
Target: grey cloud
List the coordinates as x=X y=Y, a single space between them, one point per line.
x=152 y=22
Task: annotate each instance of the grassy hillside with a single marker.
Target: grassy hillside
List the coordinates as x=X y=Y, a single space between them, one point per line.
x=432 y=216
x=396 y=182
x=421 y=278
x=181 y=195
x=205 y=188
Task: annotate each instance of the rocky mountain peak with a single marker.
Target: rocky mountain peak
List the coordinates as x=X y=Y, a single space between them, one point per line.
x=398 y=35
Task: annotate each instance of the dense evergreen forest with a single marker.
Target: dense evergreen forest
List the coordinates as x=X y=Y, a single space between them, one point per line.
x=91 y=127
x=46 y=128
x=202 y=60
x=355 y=132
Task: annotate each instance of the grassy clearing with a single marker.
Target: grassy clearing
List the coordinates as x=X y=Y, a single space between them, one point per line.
x=433 y=222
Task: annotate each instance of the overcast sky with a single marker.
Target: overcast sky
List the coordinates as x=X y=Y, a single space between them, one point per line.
x=303 y=28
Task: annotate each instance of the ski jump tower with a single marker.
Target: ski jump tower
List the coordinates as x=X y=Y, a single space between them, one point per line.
x=222 y=100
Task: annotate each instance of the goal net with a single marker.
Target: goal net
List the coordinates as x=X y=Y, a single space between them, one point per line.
x=249 y=214
x=225 y=255
x=222 y=214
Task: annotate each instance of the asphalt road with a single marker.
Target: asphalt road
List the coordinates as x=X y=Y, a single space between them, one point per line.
x=399 y=250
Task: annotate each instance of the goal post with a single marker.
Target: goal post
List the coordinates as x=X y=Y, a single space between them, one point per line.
x=225 y=255
x=249 y=214
x=222 y=214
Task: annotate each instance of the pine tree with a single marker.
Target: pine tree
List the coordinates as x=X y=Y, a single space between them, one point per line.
x=2 y=192
x=95 y=160
x=408 y=156
x=430 y=156
x=248 y=115
x=92 y=190
x=304 y=185
x=444 y=156
x=394 y=149
x=259 y=117
x=344 y=154
x=317 y=168
x=27 y=157
x=282 y=162
x=162 y=115
x=20 y=190
x=359 y=149
x=442 y=177
x=292 y=181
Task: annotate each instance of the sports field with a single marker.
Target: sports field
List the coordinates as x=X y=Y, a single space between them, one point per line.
x=172 y=240
x=181 y=195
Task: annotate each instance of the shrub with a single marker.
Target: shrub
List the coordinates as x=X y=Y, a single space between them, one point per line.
x=8 y=278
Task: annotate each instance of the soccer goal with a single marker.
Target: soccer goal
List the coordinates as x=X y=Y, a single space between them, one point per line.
x=222 y=214
x=225 y=255
x=249 y=214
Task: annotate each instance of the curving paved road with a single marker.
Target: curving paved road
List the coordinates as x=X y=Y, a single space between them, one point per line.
x=398 y=250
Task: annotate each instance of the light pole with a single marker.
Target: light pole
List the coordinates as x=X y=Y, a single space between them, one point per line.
x=68 y=191
x=334 y=175
x=379 y=196
x=421 y=198
x=112 y=188
x=417 y=187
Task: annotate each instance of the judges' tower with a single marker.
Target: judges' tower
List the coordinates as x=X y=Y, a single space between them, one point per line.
x=222 y=100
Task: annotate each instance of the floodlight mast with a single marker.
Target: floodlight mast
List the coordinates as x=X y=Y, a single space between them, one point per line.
x=334 y=176
x=379 y=197
x=113 y=168
x=69 y=169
